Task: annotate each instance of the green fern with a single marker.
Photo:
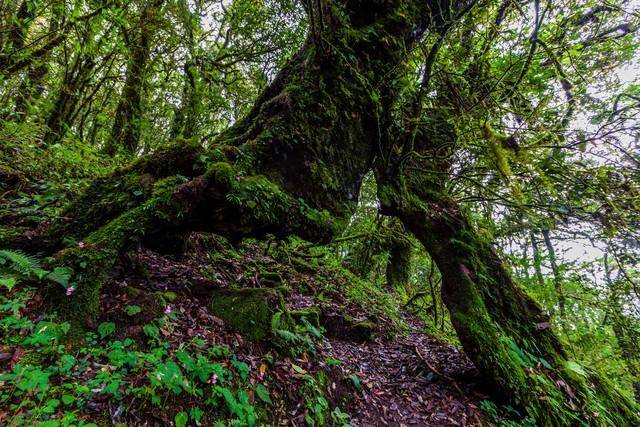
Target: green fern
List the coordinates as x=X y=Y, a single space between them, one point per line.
x=18 y=265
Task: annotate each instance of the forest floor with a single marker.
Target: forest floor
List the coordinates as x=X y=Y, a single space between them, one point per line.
x=368 y=358
x=403 y=379
x=413 y=380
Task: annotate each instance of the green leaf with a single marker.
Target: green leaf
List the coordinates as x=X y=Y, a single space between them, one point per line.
x=263 y=393
x=8 y=282
x=575 y=367
x=68 y=399
x=133 y=309
x=196 y=414
x=356 y=381
x=151 y=330
x=60 y=275
x=298 y=369
x=106 y=328
x=181 y=419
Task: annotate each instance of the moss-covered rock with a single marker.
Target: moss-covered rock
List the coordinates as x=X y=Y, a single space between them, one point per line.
x=312 y=315
x=346 y=327
x=248 y=311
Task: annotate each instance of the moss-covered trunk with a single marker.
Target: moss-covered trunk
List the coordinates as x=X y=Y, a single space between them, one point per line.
x=65 y=106
x=126 y=130
x=502 y=329
x=399 y=264
x=293 y=165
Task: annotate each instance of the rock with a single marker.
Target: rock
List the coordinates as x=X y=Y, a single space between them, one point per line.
x=248 y=311
x=346 y=327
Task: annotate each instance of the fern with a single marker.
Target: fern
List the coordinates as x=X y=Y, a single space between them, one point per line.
x=20 y=265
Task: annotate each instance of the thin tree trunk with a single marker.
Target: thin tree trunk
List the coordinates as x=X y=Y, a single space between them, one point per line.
x=13 y=38
x=185 y=122
x=537 y=259
x=31 y=88
x=557 y=279
x=64 y=108
x=399 y=264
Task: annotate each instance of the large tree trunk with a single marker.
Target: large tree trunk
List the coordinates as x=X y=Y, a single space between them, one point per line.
x=293 y=165
x=502 y=329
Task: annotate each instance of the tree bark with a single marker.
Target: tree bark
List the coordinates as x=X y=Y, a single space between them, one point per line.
x=537 y=259
x=399 y=264
x=12 y=37
x=31 y=88
x=64 y=108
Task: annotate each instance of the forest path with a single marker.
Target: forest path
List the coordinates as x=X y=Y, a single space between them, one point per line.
x=412 y=380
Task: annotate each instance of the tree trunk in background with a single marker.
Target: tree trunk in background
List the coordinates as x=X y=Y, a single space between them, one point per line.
x=185 y=122
x=557 y=279
x=186 y=117
x=127 y=126
x=537 y=259
x=64 y=108
x=13 y=36
x=399 y=264
x=31 y=88
x=627 y=342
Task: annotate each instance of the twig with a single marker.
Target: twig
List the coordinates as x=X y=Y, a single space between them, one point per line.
x=435 y=371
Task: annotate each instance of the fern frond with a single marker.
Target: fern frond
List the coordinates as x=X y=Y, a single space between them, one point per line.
x=22 y=263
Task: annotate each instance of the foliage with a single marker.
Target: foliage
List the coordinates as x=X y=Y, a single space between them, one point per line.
x=55 y=378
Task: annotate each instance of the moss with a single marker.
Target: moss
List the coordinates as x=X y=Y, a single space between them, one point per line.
x=222 y=173
x=104 y=200
x=167 y=296
x=346 y=327
x=312 y=315
x=10 y=178
x=10 y=234
x=248 y=311
x=399 y=264
x=101 y=249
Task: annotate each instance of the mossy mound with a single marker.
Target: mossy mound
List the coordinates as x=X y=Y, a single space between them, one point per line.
x=248 y=311
x=346 y=327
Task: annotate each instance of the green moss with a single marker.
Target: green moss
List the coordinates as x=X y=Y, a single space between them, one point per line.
x=248 y=311
x=167 y=295
x=101 y=249
x=312 y=315
x=222 y=173
x=10 y=234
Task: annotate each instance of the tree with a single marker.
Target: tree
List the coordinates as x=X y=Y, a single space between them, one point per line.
x=125 y=132
x=295 y=163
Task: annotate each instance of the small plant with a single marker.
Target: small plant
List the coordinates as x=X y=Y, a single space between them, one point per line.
x=17 y=266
